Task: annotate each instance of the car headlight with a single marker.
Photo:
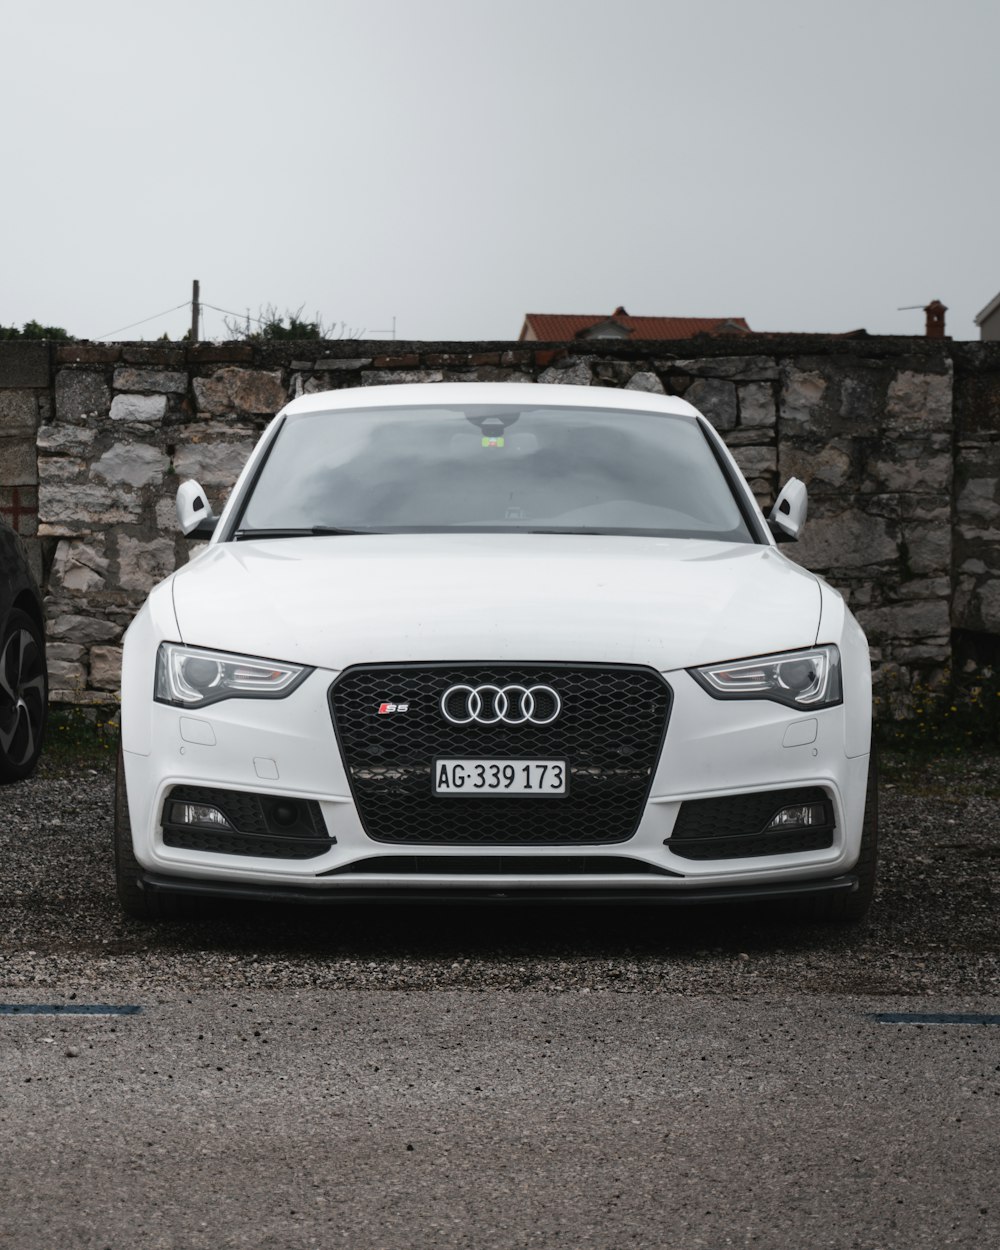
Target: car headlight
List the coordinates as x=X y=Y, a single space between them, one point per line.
x=193 y=677
x=800 y=679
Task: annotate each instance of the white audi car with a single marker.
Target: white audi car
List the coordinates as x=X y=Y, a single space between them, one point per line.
x=495 y=642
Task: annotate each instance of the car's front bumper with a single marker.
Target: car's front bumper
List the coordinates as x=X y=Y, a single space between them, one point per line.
x=288 y=748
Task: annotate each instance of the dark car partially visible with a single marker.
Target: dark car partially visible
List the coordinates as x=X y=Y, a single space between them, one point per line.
x=23 y=673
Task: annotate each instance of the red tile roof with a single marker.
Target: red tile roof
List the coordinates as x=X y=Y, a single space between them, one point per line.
x=562 y=327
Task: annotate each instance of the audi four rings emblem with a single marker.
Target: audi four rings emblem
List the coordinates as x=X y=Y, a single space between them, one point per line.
x=494 y=705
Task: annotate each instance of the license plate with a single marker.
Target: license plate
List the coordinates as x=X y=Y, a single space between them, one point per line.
x=495 y=778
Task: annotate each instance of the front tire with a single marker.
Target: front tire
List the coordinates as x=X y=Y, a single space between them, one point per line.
x=853 y=908
x=135 y=901
x=24 y=697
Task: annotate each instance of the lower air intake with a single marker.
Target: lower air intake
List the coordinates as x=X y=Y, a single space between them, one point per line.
x=262 y=825
x=736 y=827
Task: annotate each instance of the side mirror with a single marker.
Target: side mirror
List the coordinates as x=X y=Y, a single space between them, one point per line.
x=788 y=516
x=193 y=511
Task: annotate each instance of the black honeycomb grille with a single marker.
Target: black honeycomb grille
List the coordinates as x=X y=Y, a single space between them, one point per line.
x=734 y=827
x=610 y=730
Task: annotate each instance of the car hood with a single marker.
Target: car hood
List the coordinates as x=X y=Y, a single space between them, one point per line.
x=336 y=601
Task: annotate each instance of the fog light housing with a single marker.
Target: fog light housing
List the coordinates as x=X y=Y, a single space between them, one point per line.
x=799 y=816
x=201 y=815
x=285 y=814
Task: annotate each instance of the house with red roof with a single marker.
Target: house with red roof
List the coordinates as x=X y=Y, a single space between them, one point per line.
x=564 y=327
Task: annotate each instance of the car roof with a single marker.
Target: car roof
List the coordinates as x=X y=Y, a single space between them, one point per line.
x=526 y=394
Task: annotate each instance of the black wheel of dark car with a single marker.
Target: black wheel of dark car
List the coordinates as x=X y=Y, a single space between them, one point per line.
x=24 y=696
x=854 y=907
x=134 y=900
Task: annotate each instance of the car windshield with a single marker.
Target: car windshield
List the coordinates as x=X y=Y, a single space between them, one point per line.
x=492 y=469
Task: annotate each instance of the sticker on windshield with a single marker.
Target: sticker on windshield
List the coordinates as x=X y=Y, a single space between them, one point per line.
x=492 y=442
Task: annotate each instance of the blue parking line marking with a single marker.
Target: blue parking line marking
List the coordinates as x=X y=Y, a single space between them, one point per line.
x=67 y=1009
x=932 y=1017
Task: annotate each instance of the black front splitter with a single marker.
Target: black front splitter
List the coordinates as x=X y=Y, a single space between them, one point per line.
x=485 y=893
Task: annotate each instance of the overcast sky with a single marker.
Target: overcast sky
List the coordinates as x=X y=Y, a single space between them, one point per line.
x=455 y=164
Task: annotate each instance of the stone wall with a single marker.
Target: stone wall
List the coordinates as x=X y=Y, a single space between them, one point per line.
x=898 y=439
x=976 y=555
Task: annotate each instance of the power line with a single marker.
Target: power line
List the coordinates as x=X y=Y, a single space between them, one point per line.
x=144 y=321
x=257 y=320
x=229 y=313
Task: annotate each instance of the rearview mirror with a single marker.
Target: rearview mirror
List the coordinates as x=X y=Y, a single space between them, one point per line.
x=193 y=511
x=788 y=516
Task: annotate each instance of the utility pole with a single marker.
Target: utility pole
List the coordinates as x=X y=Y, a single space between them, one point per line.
x=195 y=309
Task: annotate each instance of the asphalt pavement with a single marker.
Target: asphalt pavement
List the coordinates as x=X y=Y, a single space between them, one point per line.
x=412 y=1077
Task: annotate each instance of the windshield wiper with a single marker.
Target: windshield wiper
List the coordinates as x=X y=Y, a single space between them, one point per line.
x=301 y=532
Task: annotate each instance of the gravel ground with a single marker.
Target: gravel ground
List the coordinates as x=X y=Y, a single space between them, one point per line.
x=933 y=929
